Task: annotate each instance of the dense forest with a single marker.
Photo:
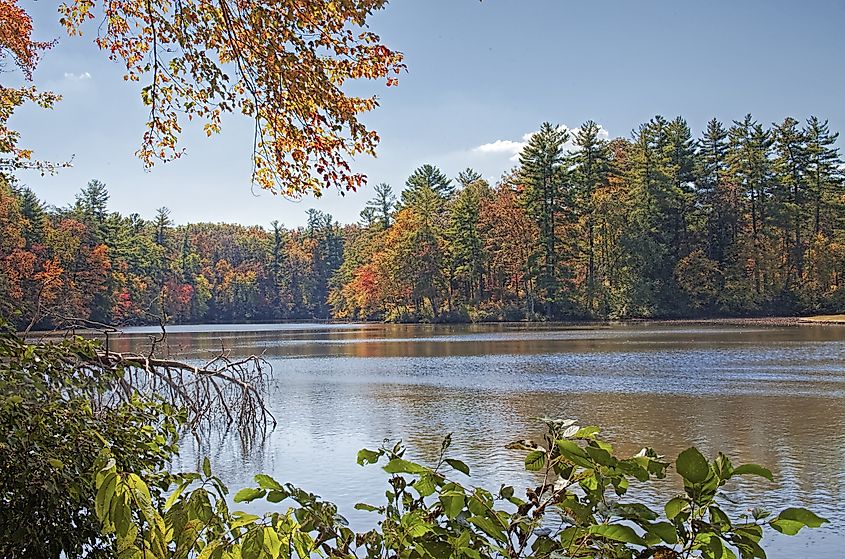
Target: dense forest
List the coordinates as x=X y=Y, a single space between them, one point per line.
x=745 y=220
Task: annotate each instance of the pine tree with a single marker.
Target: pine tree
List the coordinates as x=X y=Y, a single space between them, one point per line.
x=382 y=204
x=824 y=176
x=717 y=201
x=655 y=236
x=544 y=174
x=162 y=225
x=591 y=167
x=427 y=176
x=750 y=167
x=466 y=246
x=92 y=208
x=468 y=176
x=790 y=166
x=33 y=211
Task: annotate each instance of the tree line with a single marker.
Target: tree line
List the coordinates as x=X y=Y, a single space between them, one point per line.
x=747 y=219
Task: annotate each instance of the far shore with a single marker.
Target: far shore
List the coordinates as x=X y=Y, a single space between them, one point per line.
x=772 y=321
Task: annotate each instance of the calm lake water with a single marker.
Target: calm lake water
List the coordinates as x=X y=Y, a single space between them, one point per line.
x=769 y=395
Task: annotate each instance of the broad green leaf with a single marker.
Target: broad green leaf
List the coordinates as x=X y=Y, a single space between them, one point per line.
x=253 y=544
x=490 y=527
x=791 y=520
x=266 y=482
x=458 y=465
x=675 y=507
x=367 y=456
x=723 y=467
x=599 y=455
x=755 y=470
x=104 y=495
x=276 y=496
x=635 y=511
x=248 y=494
x=425 y=485
x=453 y=503
x=272 y=542
x=242 y=519
x=366 y=507
x=664 y=530
x=719 y=518
x=692 y=466
x=617 y=532
x=535 y=460
x=206 y=467
x=303 y=544
x=175 y=495
x=211 y=548
x=400 y=466
x=587 y=432
x=574 y=453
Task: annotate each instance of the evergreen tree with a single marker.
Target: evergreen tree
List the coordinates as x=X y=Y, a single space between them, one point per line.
x=468 y=176
x=824 y=176
x=33 y=211
x=790 y=166
x=717 y=200
x=544 y=174
x=427 y=176
x=162 y=224
x=92 y=208
x=654 y=237
x=380 y=207
x=464 y=237
x=590 y=171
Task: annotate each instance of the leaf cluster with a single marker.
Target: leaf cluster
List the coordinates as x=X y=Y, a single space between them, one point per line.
x=581 y=508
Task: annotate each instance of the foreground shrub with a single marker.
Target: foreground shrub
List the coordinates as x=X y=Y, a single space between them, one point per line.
x=579 y=509
x=55 y=417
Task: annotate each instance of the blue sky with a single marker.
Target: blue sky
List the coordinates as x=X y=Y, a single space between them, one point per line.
x=480 y=76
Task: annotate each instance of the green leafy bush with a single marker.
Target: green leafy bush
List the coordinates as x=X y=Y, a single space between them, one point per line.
x=55 y=418
x=580 y=508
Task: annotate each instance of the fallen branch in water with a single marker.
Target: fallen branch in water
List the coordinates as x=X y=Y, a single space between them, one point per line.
x=221 y=389
x=222 y=386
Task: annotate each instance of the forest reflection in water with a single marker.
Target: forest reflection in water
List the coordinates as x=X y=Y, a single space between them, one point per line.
x=769 y=395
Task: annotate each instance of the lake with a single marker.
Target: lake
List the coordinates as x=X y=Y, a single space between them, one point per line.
x=773 y=395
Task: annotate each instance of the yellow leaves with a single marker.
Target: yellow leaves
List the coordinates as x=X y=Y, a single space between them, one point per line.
x=290 y=59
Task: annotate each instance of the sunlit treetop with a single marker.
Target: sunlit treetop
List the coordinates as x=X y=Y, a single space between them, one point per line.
x=282 y=63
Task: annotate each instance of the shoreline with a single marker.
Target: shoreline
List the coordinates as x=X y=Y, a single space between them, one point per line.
x=769 y=321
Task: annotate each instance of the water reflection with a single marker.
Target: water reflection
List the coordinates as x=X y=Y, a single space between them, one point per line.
x=774 y=396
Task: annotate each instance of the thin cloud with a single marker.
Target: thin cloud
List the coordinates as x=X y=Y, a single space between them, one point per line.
x=77 y=77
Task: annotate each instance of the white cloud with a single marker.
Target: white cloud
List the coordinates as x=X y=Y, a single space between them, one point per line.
x=500 y=146
x=77 y=77
x=513 y=147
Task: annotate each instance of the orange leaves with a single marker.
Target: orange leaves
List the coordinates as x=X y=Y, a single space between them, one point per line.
x=290 y=59
x=16 y=37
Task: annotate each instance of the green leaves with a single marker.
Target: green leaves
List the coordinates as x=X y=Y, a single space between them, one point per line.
x=692 y=466
x=617 y=532
x=367 y=456
x=248 y=494
x=535 y=460
x=453 y=502
x=458 y=465
x=791 y=520
x=574 y=453
x=400 y=466
x=755 y=470
x=266 y=482
x=435 y=517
